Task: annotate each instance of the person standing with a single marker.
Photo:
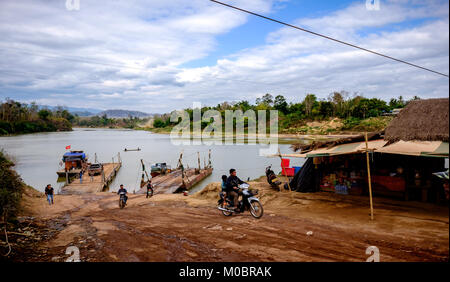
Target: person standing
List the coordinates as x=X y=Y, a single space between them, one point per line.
x=49 y=193
x=81 y=176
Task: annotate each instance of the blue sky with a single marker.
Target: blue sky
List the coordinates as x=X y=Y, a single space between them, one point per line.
x=162 y=55
x=253 y=33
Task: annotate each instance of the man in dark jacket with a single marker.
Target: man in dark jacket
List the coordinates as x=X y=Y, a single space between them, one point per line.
x=123 y=190
x=233 y=183
x=49 y=193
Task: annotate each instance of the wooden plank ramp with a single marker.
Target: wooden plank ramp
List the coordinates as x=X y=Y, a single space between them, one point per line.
x=173 y=182
x=95 y=184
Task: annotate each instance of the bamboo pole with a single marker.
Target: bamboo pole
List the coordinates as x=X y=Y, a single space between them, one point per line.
x=369 y=179
x=284 y=169
x=209 y=158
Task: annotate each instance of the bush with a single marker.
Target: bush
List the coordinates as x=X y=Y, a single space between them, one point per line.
x=11 y=187
x=351 y=123
x=159 y=123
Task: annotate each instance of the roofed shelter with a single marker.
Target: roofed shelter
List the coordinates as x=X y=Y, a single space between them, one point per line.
x=420 y=120
x=402 y=158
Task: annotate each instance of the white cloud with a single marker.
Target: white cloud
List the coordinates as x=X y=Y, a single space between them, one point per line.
x=126 y=54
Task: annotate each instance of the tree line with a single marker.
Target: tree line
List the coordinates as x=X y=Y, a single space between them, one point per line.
x=17 y=117
x=105 y=121
x=350 y=108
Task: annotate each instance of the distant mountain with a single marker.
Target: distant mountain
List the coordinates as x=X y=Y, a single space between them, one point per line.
x=123 y=114
x=75 y=110
x=83 y=113
x=86 y=112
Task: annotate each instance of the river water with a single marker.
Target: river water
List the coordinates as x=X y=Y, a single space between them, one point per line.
x=37 y=156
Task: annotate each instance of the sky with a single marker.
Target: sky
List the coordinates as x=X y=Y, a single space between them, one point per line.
x=157 y=56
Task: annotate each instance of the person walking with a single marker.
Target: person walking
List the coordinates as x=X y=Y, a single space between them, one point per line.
x=81 y=176
x=149 y=189
x=49 y=193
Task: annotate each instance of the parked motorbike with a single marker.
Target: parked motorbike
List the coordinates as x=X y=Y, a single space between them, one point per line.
x=122 y=201
x=272 y=178
x=248 y=202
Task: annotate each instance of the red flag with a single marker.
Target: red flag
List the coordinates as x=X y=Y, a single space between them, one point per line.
x=67 y=147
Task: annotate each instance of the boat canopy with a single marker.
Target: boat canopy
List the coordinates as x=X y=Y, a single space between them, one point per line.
x=74 y=156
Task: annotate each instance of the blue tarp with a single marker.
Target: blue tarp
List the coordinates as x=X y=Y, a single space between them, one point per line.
x=74 y=155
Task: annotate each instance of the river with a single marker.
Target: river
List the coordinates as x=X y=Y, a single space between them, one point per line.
x=37 y=156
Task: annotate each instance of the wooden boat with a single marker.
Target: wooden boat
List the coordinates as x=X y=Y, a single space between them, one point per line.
x=127 y=150
x=74 y=162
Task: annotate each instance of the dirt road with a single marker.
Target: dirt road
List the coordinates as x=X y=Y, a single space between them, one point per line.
x=180 y=228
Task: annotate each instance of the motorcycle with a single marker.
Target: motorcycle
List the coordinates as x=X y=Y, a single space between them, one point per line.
x=122 y=202
x=272 y=178
x=248 y=202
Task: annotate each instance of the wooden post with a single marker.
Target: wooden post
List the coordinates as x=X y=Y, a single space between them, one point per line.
x=369 y=179
x=198 y=156
x=67 y=177
x=96 y=158
x=118 y=156
x=283 y=169
x=113 y=161
x=209 y=158
x=180 y=160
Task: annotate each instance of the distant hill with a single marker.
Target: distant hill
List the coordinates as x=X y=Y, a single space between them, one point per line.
x=123 y=114
x=82 y=112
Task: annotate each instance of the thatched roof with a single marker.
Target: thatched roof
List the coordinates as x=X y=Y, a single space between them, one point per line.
x=331 y=143
x=424 y=120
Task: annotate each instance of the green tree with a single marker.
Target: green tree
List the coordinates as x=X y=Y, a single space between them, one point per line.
x=309 y=102
x=159 y=123
x=280 y=104
x=44 y=114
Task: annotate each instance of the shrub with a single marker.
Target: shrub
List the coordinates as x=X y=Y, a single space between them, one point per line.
x=11 y=187
x=159 y=123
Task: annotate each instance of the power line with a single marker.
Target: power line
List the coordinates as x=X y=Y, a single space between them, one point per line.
x=329 y=38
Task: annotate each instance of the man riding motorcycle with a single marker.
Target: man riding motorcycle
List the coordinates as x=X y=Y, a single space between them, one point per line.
x=123 y=190
x=232 y=186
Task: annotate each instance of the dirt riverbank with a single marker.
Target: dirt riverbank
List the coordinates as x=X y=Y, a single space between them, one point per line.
x=190 y=228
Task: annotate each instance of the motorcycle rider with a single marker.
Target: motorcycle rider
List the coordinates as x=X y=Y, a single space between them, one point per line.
x=232 y=185
x=121 y=190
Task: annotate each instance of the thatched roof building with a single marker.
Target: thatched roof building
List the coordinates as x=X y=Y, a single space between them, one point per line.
x=422 y=120
x=331 y=143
